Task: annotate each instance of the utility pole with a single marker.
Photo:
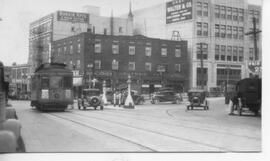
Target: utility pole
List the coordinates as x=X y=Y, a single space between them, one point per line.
x=202 y=72
x=254 y=32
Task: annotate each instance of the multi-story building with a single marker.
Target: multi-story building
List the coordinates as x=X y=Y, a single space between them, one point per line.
x=20 y=76
x=61 y=24
x=152 y=63
x=214 y=28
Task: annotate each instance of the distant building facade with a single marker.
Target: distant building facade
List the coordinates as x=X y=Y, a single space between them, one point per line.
x=19 y=79
x=61 y=24
x=152 y=63
x=219 y=25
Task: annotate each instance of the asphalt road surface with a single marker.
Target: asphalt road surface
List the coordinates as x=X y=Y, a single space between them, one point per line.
x=164 y=127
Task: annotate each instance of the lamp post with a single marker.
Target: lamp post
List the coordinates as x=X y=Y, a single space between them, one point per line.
x=129 y=101
x=90 y=67
x=227 y=82
x=114 y=68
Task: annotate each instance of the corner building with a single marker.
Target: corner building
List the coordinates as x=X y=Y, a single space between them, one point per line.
x=220 y=25
x=152 y=63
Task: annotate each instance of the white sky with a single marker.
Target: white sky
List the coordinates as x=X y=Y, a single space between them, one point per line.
x=17 y=14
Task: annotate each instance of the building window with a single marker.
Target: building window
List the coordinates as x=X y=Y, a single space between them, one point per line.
x=241 y=53
x=71 y=49
x=148 y=66
x=65 y=49
x=131 y=50
x=235 y=32
x=199 y=28
x=217 y=52
x=229 y=13
x=217 y=11
x=256 y=15
x=235 y=48
x=229 y=53
x=163 y=52
x=97 y=64
x=177 y=67
x=223 y=52
x=120 y=30
x=235 y=14
x=241 y=33
x=223 y=12
x=216 y=30
x=205 y=29
x=115 y=65
x=59 y=51
x=202 y=51
x=205 y=9
x=79 y=48
x=199 y=8
x=229 y=32
x=251 y=54
x=222 y=31
x=131 y=66
x=177 y=53
x=201 y=76
x=97 y=48
x=78 y=64
x=115 y=49
x=148 y=51
x=241 y=14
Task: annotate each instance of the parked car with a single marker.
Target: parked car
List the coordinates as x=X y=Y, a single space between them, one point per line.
x=166 y=96
x=91 y=98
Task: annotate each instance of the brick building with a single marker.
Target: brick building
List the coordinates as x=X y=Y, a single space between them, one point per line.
x=61 y=24
x=152 y=63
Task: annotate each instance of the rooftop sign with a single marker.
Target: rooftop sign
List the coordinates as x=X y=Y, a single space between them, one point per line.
x=178 y=10
x=72 y=17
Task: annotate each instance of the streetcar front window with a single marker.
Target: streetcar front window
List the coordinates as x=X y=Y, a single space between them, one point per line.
x=45 y=83
x=56 y=82
x=67 y=82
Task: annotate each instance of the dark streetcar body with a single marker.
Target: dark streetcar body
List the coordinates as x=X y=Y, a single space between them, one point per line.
x=249 y=92
x=51 y=87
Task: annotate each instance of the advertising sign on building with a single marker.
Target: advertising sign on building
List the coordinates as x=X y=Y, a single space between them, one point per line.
x=178 y=10
x=72 y=17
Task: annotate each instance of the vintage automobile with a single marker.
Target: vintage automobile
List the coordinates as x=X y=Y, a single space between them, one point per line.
x=166 y=95
x=137 y=98
x=249 y=93
x=91 y=98
x=196 y=98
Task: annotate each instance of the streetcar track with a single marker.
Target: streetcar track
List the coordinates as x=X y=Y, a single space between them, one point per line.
x=84 y=125
x=157 y=133
x=184 y=126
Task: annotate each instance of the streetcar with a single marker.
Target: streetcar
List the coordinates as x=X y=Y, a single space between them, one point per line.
x=249 y=92
x=51 y=87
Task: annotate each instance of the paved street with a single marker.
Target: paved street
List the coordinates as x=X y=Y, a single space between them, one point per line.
x=164 y=127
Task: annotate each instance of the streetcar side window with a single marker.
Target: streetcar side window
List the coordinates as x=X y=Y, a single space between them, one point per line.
x=45 y=83
x=67 y=82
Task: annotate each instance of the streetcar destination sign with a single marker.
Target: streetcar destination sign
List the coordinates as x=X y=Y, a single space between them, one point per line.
x=178 y=10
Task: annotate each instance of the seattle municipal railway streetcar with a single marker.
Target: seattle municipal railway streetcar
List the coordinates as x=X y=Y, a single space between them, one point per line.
x=51 y=87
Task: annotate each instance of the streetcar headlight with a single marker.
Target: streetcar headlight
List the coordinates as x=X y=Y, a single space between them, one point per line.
x=68 y=93
x=45 y=94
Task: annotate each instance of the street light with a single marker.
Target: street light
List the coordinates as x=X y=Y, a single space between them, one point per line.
x=90 y=66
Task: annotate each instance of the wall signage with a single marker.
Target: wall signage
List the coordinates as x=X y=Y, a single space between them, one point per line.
x=178 y=10
x=72 y=17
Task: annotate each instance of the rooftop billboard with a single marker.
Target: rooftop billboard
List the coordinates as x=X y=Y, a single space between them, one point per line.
x=178 y=10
